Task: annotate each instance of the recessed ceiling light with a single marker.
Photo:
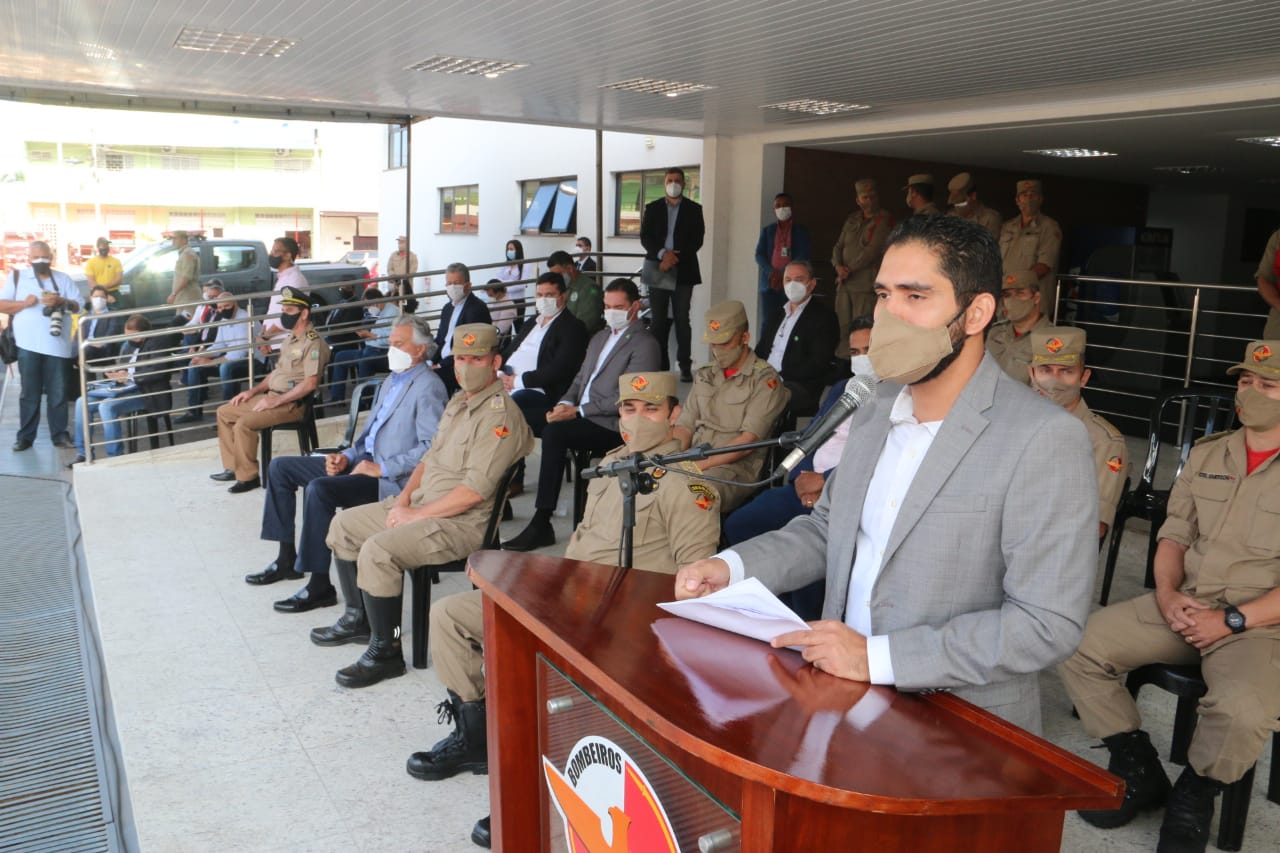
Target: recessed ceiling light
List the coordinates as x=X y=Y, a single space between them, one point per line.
x=244 y=44
x=1189 y=170
x=490 y=68
x=1069 y=152
x=97 y=51
x=647 y=86
x=1273 y=141
x=815 y=107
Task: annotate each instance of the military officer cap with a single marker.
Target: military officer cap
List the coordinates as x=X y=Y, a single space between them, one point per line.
x=1028 y=185
x=475 y=339
x=864 y=185
x=959 y=188
x=649 y=387
x=1020 y=280
x=919 y=179
x=291 y=296
x=1057 y=345
x=724 y=321
x=1261 y=357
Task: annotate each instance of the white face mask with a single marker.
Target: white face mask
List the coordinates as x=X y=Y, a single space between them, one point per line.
x=616 y=318
x=674 y=189
x=547 y=305
x=455 y=292
x=99 y=303
x=796 y=291
x=398 y=360
x=783 y=213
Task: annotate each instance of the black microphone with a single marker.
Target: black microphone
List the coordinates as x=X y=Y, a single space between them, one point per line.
x=857 y=392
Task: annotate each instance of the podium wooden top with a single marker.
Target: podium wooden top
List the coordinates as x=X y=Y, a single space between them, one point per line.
x=764 y=714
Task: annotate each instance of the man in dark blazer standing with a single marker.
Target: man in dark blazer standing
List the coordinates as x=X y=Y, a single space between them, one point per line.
x=586 y=416
x=671 y=232
x=463 y=308
x=798 y=338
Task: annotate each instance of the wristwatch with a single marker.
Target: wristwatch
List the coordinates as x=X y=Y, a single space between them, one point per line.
x=1234 y=618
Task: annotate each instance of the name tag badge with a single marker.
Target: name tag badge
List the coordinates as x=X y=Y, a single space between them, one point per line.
x=786 y=251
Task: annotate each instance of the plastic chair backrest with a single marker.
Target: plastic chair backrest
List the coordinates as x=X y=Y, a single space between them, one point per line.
x=1218 y=414
x=369 y=386
x=493 y=531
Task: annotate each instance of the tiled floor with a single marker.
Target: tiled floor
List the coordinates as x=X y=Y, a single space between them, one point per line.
x=235 y=735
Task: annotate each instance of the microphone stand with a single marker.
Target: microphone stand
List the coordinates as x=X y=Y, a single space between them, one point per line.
x=633 y=478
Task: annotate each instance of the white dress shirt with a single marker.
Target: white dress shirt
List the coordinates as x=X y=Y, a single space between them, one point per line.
x=904 y=449
x=526 y=355
x=447 y=349
x=614 y=337
x=790 y=314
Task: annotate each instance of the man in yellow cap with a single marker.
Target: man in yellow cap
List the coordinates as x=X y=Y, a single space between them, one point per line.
x=919 y=191
x=441 y=513
x=1059 y=373
x=962 y=195
x=735 y=400
x=1216 y=604
x=1009 y=342
x=1032 y=241
x=856 y=258
x=278 y=399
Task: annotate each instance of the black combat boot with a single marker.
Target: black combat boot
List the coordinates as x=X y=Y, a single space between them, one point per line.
x=1189 y=813
x=480 y=833
x=465 y=748
x=383 y=659
x=352 y=626
x=1134 y=760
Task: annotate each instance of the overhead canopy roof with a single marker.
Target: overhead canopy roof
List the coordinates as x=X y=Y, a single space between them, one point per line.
x=1215 y=66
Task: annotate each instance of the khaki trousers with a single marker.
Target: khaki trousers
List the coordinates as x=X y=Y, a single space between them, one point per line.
x=1237 y=715
x=238 y=433
x=457 y=636
x=854 y=298
x=382 y=555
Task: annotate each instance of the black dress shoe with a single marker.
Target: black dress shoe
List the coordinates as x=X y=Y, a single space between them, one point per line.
x=480 y=833
x=302 y=601
x=271 y=574
x=536 y=535
x=686 y=375
x=74 y=462
x=63 y=440
x=223 y=476
x=21 y=445
x=245 y=486
x=189 y=418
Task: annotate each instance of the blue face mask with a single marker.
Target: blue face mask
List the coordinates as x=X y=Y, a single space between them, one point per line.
x=511 y=254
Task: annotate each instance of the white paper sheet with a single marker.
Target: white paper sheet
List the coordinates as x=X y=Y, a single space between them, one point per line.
x=745 y=608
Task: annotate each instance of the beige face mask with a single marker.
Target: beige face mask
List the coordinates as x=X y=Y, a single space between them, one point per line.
x=473 y=377
x=1018 y=310
x=726 y=357
x=1062 y=393
x=641 y=433
x=906 y=353
x=1257 y=411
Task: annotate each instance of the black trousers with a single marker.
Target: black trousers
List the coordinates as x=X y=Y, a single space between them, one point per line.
x=557 y=440
x=322 y=497
x=661 y=302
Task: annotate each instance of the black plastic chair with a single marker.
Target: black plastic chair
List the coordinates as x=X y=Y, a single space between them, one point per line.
x=1186 y=683
x=153 y=424
x=369 y=388
x=579 y=459
x=304 y=428
x=1148 y=502
x=423 y=576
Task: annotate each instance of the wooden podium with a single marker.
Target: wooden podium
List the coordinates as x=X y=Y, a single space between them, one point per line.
x=608 y=718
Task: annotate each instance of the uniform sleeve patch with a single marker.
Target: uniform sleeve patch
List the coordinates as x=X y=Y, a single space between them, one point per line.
x=502 y=431
x=1115 y=463
x=772 y=383
x=703 y=497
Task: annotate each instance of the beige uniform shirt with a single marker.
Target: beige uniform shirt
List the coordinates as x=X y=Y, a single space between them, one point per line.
x=188 y=268
x=396 y=264
x=981 y=214
x=1229 y=522
x=477 y=441
x=676 y=524
x=1267 y=272
x=1013 y=352
x=860 y=247
x=1024 y=246
x=929 y=209
x=300 y=357
x=1110 y=459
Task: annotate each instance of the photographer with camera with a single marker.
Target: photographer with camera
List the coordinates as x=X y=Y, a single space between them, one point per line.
x=41 y=302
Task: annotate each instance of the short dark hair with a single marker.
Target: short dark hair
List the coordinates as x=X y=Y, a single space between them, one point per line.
x=624 y=285
x=551 y=278
x=96 y=288
x=866 y=321
x=924 y=190
x=675 y=170
x=373 y=293
x=785 y=195
x=586 y=240
x=138 y=323
x=559 y=258
x=290 y=245
x=967 y=253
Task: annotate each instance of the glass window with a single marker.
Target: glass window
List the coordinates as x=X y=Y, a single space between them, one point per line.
x=397 y=151
x=234 y=258
x=460 y=209
x=636 y=189
x=550 y=206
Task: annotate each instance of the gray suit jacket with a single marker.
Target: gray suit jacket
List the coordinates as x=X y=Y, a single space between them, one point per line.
x=989 y=568
x=406 y=435
x=636 y=352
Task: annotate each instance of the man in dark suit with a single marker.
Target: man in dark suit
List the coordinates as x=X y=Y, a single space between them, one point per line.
x=586 y=263
x=586 y=417
x=99 y=322
x=671 y=232
x=798 y=338
x=463 y=308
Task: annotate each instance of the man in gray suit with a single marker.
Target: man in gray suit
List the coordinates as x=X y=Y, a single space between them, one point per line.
x=397 y=433
x=587 y=417
x=957 y=556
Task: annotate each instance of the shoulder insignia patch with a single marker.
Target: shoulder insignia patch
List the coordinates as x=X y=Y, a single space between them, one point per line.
x=1115 y=463
x=703 y=497
x=772 y=383
x=496 y=403
x=312 y=334
x=502 y=431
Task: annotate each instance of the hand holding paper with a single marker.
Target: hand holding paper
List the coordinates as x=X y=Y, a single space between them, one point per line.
x=746 y=608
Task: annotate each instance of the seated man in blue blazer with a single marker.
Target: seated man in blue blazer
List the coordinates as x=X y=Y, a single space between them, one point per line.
x=396 y=435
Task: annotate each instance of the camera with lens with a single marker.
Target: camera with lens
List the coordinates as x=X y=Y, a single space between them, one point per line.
x=55 y=315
